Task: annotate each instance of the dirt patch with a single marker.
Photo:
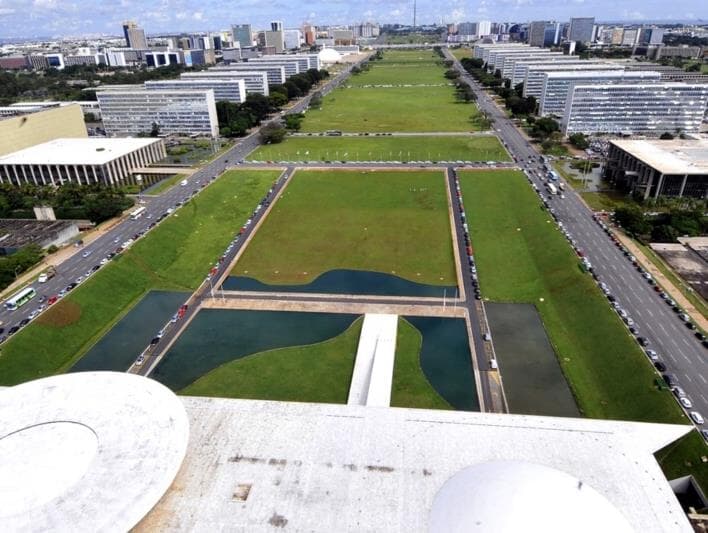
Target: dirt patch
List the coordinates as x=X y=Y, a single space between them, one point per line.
x=62 y=314
x=688 y=263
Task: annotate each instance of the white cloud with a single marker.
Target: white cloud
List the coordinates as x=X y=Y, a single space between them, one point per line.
x=198 y=15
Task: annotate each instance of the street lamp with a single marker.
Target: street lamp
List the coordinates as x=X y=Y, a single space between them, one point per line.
x=139 y=181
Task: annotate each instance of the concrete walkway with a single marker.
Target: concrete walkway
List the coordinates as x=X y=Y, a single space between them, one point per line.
x=373 y=367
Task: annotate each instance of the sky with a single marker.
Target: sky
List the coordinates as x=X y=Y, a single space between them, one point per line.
x=25 y=18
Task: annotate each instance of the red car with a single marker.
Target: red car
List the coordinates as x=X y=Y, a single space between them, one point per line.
x=52 y=299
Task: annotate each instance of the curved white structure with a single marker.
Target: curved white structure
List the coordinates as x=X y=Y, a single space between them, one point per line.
x=329 y=55
x=501 y=496
x=90 y=451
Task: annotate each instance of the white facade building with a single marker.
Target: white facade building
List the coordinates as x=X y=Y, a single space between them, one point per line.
x=292 y=39
x=557 y=84
x=274 y=73
x=520 y=67
x=291 y=66
x=533 y=83
x=178 y=112
x=229 y=90
x=255 y=82
x=635 y=108
x=82 y=161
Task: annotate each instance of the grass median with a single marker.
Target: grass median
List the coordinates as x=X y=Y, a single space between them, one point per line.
x=175 y=255
x=382 y=221
x=319 y=372
x=411 y=148
x=522 y=257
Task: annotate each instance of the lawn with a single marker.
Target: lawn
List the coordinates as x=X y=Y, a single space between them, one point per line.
x=683 y=457
x=461 y=53
x=410 y=73
x=423 y=148
x=383 y=221
x=175 y=255
x=315 y=373
x=165 y=184
x=410 y=387
x=362 y=109
x=522 y=257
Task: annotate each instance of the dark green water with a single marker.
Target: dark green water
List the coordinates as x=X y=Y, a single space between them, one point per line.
x=347 y=282
x=118 y=348
x=533 y=381
x=217 y=336
x=446 y=359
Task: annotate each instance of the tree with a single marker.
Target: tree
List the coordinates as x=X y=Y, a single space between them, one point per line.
x=452 y=74
x=544 y=127
x=155 y=130
x=666 y=136
x=664 y=233
x=633 y=220
x=579 y=140
x=293 y=90
x=277 y=100
x=294 y=121
x=272 y=133
x=316 y=100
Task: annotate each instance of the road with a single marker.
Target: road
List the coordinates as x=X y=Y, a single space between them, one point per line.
x=676 y=345
x=79 y=266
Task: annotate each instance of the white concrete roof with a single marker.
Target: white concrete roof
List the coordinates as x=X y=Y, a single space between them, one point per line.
x=678 y=156
x=87 y=452
x=262 y=466
x=580 y=74
x=86 y=151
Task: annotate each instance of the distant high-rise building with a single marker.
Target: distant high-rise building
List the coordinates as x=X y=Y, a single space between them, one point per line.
x=275 y=39
x=630 y=36
x=467 y=28
x=484 y=28
x=276 y=25
x=292 y=39
x=543 y=33
x=581 y=29
x=617 y=36
x=309 y=32
x=243 y=35
x=651 y=36
x=134 y=36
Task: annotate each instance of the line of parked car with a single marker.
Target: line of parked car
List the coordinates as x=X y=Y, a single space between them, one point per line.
x=468 y=244
x=670 y=379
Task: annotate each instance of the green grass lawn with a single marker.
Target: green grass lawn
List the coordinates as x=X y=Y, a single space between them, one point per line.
x=166 y=184
x=383 y=221
x=683 y=457
x=410 y=387
x=403 y=67
x=522 y=257
x=424 y=148
x=316 y=373
x=461 y=53
x=176 y=255
x=362 y=109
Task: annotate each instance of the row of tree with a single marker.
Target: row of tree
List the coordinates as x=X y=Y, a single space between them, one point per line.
x=664 y=227
x=13 y=265
x=71 y=201
x=236 y=119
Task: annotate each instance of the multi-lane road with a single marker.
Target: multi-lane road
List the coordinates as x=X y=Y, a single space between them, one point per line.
x=676 y=345
x=87 y=257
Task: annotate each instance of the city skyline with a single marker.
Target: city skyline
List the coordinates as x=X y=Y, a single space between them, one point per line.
x=59 y=18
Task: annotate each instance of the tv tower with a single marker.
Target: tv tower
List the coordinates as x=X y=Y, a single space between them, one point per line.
x=414 y=13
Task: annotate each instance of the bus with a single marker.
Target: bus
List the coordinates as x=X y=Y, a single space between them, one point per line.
x=135 y=215
x=21 y=298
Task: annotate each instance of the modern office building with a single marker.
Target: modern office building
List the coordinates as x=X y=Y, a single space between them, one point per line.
x=495 y=58
x=544 y=33
x=651 y=35
x=134 y=36
x=275 y=73
x=81 y=161
x=178 y=112
x=276 y=25
x=291 y=66
x=521 y=67
x=482 y=50
x=533 y=83
x=634 y=108
x=292 y=39
x=46 y=124
x=255 y=82
x=228 y=90
x=275 y=40
x=161 y=59
x=507 y=61
x=630 y=36
x=304 y=61
x=557 y=84
x=581 y=29
x=659 y=168
x=242 y=34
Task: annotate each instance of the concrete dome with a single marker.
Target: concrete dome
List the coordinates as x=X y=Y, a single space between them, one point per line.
x=330 y=55
x=90 y=451
x=501 y=496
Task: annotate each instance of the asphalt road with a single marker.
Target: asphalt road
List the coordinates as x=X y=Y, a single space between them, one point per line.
x=676 y=345
x=79 y=266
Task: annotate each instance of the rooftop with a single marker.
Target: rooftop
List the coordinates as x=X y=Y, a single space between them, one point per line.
x=571 y=73
x=678 y=156
x=19 y=232
x=87 y=151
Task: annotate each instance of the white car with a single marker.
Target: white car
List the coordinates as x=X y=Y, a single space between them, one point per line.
x=42 y=278
x=696 y=416
x=685 y=402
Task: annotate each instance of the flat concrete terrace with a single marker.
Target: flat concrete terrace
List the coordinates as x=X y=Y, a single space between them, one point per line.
x=273 y=466
x=335 y=306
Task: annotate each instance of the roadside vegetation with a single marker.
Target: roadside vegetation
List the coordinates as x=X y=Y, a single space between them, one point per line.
x=314 y=373
x=384 y=148
x=384 y=221
x=174 y=256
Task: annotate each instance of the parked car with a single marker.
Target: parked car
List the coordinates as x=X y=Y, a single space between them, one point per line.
x=643 y=341
x=686 y=402
x=696 y=416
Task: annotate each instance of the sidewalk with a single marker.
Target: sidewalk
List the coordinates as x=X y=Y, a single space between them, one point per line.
x=696 y=316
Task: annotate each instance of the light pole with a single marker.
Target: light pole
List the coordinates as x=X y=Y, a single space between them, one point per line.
x=139 y=181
